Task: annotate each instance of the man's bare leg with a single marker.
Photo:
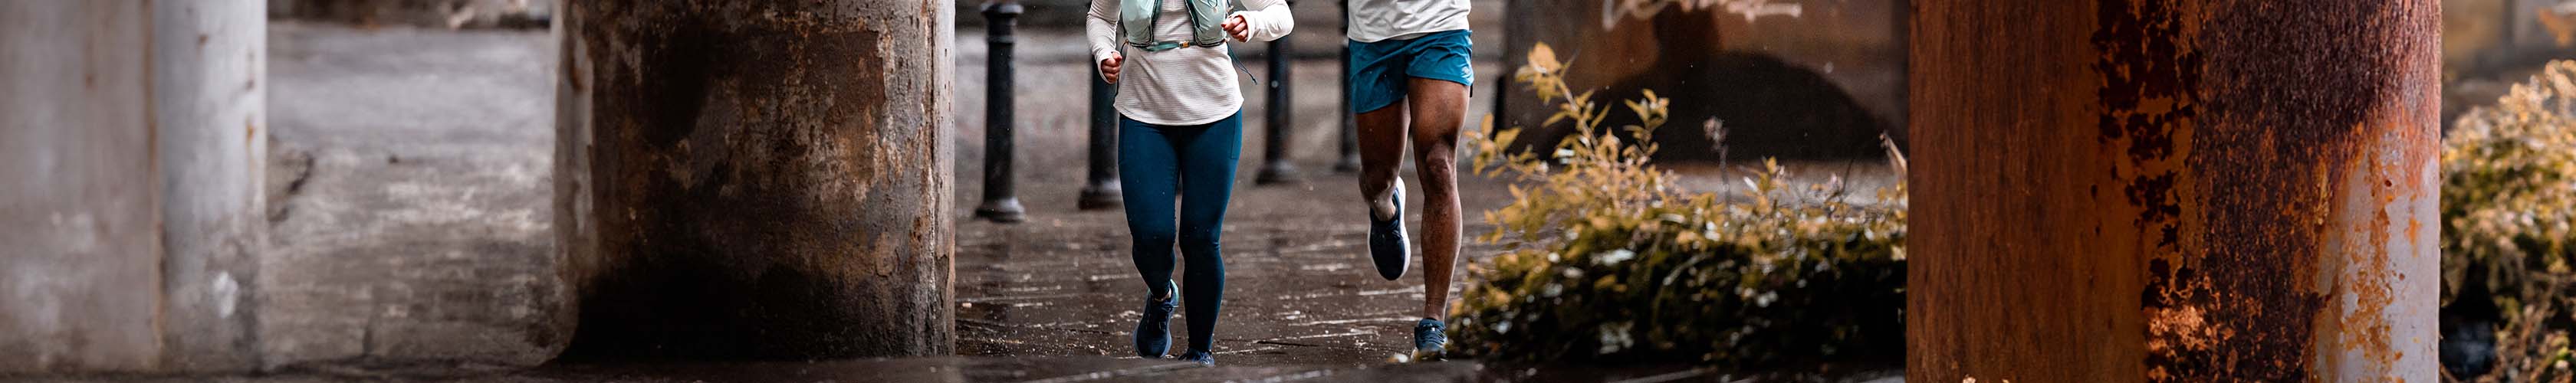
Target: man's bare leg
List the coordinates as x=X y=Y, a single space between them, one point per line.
x=1381 y=136
x=1438 y=108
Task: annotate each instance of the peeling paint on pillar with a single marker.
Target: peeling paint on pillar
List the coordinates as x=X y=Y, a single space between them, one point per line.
x=755 y=178
x=2209 y=190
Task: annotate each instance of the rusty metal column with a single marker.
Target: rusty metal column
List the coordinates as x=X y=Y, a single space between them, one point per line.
x=757 y=179
x=2173 y=190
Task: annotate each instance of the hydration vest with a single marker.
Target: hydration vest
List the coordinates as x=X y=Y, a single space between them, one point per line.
x=1136 y=24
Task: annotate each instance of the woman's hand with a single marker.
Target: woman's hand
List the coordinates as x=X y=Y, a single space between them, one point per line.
x=1109 y=67
x=1235 y=26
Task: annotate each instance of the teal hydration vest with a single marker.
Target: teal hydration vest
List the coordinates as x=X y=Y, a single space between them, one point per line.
x=1136 y=24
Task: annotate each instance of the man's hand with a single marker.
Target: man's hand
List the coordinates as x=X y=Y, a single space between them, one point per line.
x=1235 y=26
x=1109 y=67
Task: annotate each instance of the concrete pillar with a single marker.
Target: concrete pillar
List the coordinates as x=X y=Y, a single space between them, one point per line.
x=744 y=178
x=2174 y=190
x=209 y=108
x=133 y=133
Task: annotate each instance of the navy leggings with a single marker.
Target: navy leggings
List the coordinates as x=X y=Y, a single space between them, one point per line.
x=1195 y=165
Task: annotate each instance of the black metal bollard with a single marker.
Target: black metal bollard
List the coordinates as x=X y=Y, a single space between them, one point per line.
x=1350 y=161
x=1000 y=203
x=1103 y=190
x=1275 y=167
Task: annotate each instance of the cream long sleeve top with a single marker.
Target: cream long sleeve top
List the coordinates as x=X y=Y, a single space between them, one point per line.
x=1184 y=86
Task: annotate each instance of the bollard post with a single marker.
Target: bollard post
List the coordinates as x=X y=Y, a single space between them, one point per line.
x=1000 y=205
x=1103 y=191
x=1275 y=167
x=1350 y=160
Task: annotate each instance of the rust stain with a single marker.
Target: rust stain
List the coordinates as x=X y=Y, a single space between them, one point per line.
x=2225 y=185
x=572 y=74
x=2413 y=226
x=2365 y=271
x=2309 y=78
x=2274 y=121
x=2149 y=69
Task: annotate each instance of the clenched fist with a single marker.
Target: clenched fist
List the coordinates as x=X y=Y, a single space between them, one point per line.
x=1109 y=67
x=1234 y=26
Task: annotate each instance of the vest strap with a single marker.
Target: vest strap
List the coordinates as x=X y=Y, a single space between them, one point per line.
x=1136 y=19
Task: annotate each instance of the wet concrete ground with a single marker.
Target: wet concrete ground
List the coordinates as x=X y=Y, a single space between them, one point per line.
x=961 y=369
x=411 y=175
x=411 y=236
x=1300 y=289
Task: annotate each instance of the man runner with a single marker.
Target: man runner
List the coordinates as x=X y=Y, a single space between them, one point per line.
x=1408 y=77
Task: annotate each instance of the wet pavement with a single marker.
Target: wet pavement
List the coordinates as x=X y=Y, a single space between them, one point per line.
x=412 y=217
x=1299 y=286
x=961 y=369
x=1299 y=289
x=410 y=197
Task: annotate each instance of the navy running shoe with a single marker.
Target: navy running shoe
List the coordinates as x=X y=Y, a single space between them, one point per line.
x=1430 y=340
x=1387 y=243
x=1154 y=331
x=1203 y=358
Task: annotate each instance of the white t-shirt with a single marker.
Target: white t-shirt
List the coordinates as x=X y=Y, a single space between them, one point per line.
x=1379 y=20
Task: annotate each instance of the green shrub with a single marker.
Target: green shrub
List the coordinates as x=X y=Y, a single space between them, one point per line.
x=2508 y=199
x=1606 y=260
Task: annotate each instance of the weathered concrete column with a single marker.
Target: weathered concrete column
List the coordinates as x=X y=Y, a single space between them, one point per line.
x=745 y=178
x=2173 y=190
x=133 y=138
x=210 y=109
